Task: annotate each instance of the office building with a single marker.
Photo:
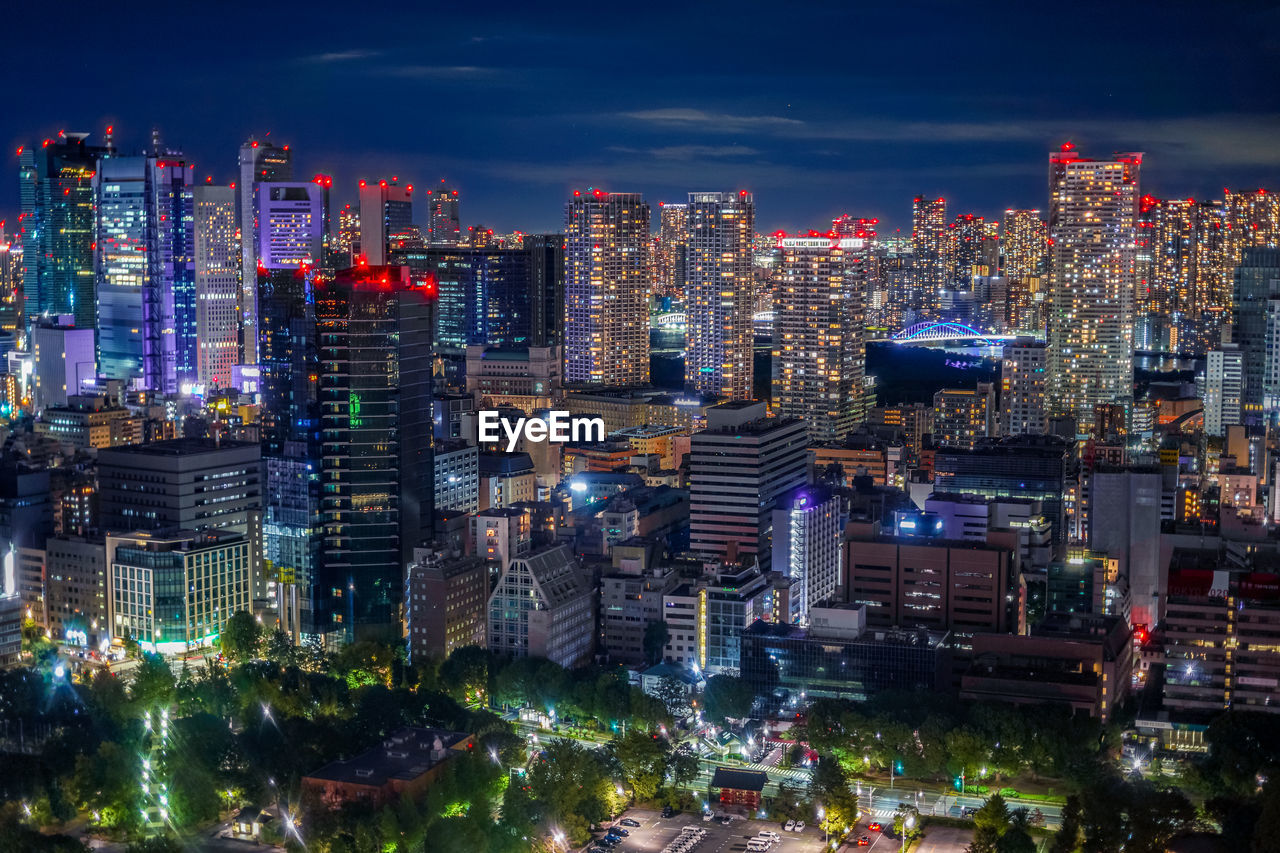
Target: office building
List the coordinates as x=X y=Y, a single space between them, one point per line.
x=1023 y=386
x=444 y=227
x=386 y=219
x=447 y=599
x=738 y=467
x=1083 y=662
x=500 y=535
x=76 y=591
x=260 y=163
x=457 y=475
x=1219 y=631
x=928 y=254
x=838 y=657
x=672 y=235
x=90 y=421
x=1222 y=392
x=377 y=478
x=969 y=250
x=1093 y=210
x=544 y=605
x=719 y=295
x=819 y=350
x=961 y=417
x=56 y=189
x=807 y=529
x=217 y=284
x=973 y=517
x=64 y=357
x=629 y=603
x=706 y=619
x=1124 y=524
x=174 y=592
x=606 y=289
x=1256 y=280
x=546 y=288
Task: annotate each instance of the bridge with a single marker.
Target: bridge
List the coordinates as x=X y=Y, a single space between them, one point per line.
x=947 y=330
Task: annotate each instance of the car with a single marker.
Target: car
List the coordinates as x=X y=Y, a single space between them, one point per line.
x=968 y=811
x=864 y=840
x=799 y=826
x=689 y=829
x=610 y=841
x=771 y=835
x=789 y=826
x=619 y=831
x=667 y=811
x=724 y=820
x=626 y=821
x=874 y=827
x=706 y=816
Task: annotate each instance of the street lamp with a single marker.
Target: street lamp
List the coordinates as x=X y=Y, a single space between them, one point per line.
x=907 y=825
x=822 y=813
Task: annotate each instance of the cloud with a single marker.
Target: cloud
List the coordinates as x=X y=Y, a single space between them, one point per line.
x=686 y=117
x=342 y=56
x=438 y=71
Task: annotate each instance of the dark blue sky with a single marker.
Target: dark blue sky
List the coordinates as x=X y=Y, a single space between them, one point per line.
x=819 y=108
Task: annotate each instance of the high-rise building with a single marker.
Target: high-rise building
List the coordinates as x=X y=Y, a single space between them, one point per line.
x=377 y=480
x=12 y=264
x=346 y=243
x=546 y=288
x=963 y=416
x=544 y=605
x=447 y=600
x=1022 y=388
x=819 y=349
x=1223 y=381
x=967 y=251
x=1124 y=524
x=144 y=270
x=217 y=283
x=1024 y=247
x=928 y=253
x=57 y=226
x=606 y=289
x=1093 y=210
x=260 y=163
x=719 y=295
x=672 y=233
x=174 y=592
x=739 y=466
x=386 y=219
x=1256 y=281
x=64 y=359
x=807 y=528
x=444 y=227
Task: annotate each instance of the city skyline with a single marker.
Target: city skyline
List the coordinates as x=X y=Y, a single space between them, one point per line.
x=644 y=121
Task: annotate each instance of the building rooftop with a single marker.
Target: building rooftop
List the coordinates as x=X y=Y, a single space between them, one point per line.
x=405 y=754
x=178 y=447
x=739 y=780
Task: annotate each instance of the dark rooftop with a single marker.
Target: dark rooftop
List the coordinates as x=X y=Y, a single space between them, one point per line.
x=739 y=780
x=404 y=754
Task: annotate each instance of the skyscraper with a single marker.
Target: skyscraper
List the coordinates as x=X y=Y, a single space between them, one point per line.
x=217 y=283
x=672 y=228
x=57 y=225
x=374 y=331
x=1257 y=280
x=719 y=295
x=928 y=253
x=444 y=227
x=819 y=350
x=606 y=289
x=260 y=163
x=965 y=251
x=546 y=285
x=144 y=270
x=1024 y=245
x=1223 y=375
x=1093 y=211
x=963 y=416
x=386 y=217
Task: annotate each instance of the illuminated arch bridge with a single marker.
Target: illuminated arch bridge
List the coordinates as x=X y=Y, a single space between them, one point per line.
x=945 y=331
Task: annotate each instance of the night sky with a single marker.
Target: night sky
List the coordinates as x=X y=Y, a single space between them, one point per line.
x=819 y=109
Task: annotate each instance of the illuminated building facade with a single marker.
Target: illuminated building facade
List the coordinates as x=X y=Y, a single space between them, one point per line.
x=386 y=219
x=807 y=529
x=670 y=277
x=719 y=334
x=1093 y=228
x=968 y=250
x=1223 y=381
x=57 y=226
x=11 y=269
x=260 y=163
x=1256 y=284
x=606 y=289
x=1022 y=388
x=962 y=416
x=1024 y=247
x=217 y=284
x=928 y=253
x=444 y=227
x=373 y=328
x=819 y=348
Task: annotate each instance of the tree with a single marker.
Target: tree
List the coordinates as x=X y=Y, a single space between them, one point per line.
x=727 y=696
x=643 y=759
x=240 y=636
x=1067 y=838
x=672 y=694
x=990 y=823
x=464 y=675
x=153 y=682
x=656 y=637
x=1267 y=829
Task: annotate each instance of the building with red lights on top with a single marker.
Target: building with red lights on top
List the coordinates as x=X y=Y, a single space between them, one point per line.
x=719 y=331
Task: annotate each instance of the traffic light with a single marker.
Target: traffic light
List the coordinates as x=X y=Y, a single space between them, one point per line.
x=959 y=785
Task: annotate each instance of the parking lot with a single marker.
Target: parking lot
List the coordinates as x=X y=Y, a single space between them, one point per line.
x=656 y=832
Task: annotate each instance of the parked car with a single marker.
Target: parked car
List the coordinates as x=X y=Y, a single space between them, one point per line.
x=626 y=821
x=617 y=830
x=667 y=811
x=706 y=816
x=799 y=826
x=789 y=826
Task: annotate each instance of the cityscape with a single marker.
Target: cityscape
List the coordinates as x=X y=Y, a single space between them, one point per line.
x=694 y=503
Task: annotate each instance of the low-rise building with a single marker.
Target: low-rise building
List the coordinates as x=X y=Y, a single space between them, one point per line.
x=544 y=605
x=403 y=766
